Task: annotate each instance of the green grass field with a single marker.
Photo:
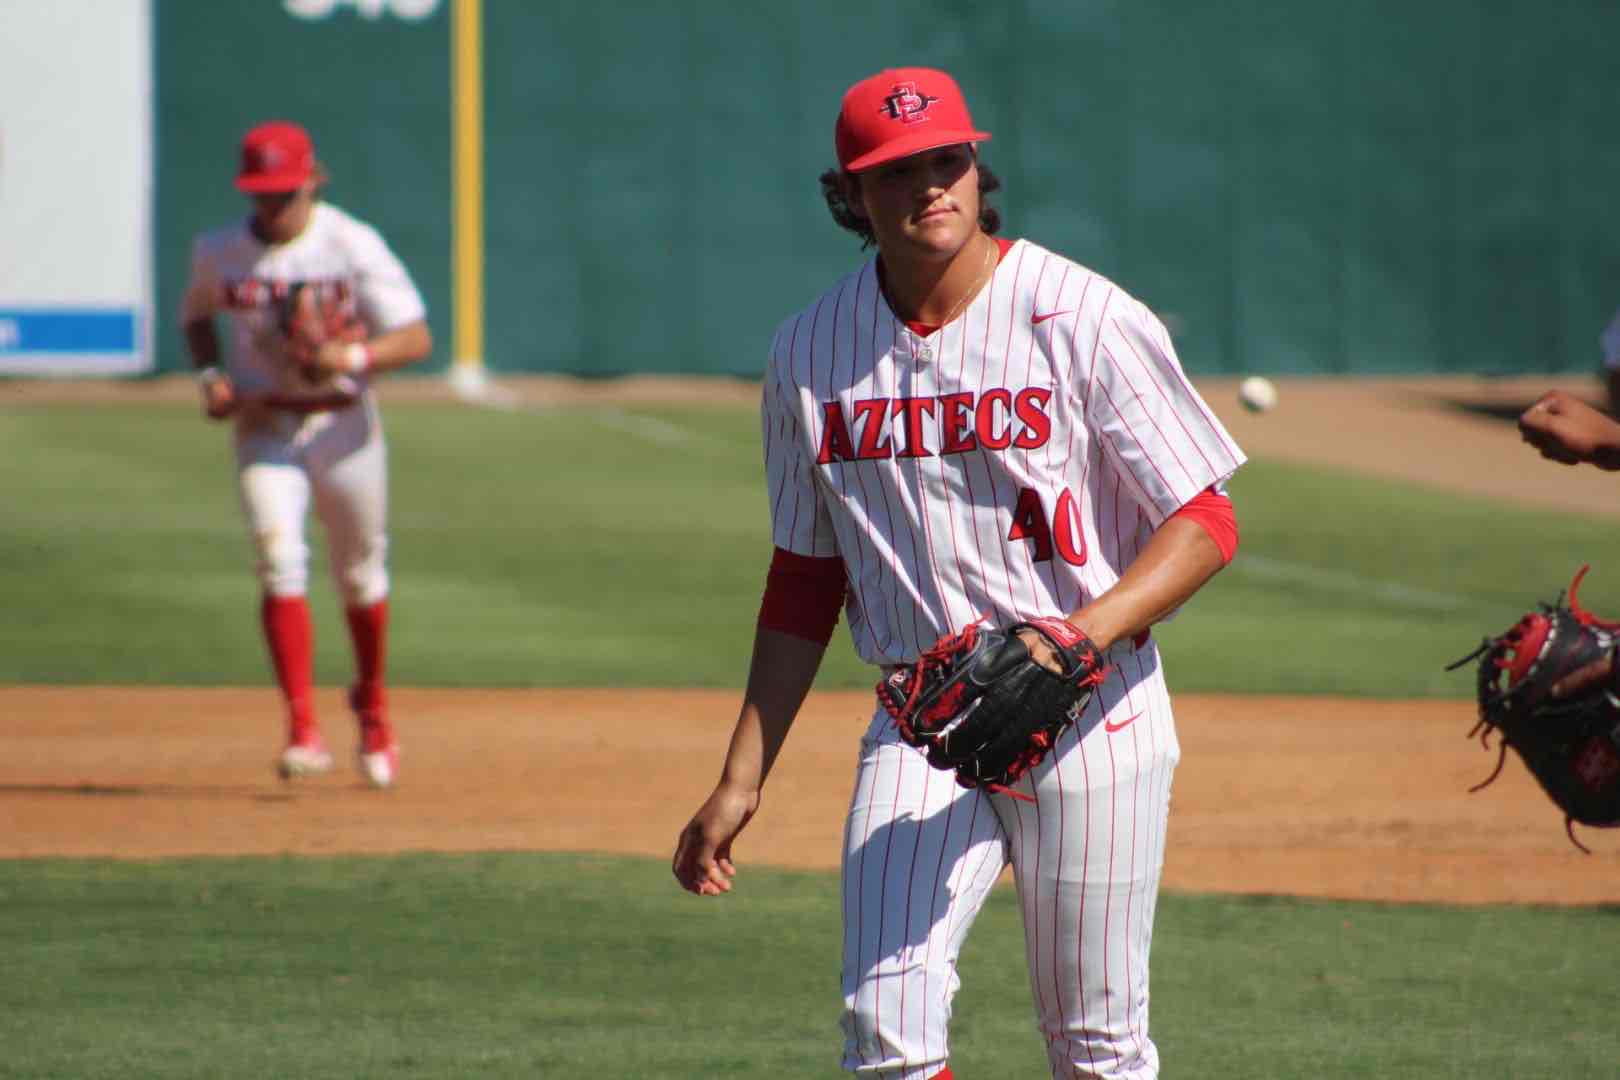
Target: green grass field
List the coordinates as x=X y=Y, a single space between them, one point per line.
x=547 y=548
x=543 y=548
x=519 y=965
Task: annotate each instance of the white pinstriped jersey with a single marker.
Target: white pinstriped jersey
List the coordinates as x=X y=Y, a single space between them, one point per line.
x=1011 y=464
x=287 y=462
x=235 y=272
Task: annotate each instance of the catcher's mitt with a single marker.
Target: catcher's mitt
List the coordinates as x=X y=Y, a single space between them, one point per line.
x=311 y=313
x=982 y=707
x=1571 y=742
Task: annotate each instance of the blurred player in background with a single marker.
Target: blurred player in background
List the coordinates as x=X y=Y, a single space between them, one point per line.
x=968 y=427
x=307 y=430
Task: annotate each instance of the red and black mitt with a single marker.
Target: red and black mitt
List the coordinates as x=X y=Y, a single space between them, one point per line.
x=981 y=706
x=313 y=313
x=1570 y=743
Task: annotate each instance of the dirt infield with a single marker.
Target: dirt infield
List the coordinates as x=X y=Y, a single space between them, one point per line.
x=1274 y=795
x=1303 y=796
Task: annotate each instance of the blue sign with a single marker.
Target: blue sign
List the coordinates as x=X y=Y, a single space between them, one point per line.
x=67 y=331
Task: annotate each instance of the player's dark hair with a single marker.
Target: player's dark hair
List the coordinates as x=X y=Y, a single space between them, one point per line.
x=834 y=189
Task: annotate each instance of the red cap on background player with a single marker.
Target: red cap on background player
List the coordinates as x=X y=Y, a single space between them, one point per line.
x=898 y=112
x=277 y=156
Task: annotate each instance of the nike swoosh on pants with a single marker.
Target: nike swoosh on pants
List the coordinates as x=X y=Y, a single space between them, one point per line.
x=1111 y=727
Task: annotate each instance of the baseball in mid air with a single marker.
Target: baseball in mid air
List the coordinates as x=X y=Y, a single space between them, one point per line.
x=1257 y=393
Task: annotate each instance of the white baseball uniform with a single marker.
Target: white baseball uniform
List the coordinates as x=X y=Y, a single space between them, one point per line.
x=1011 y=464
x=285 y=460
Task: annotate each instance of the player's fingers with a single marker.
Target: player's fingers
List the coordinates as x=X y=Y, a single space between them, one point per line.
x=1546 y=441
x=695 y=865
x=710 y=873
x=681 y=864
x=1552 y=401
x=717 y=880
x=704 y=878
x=692 y=879
x=723 y=863
x=1557 y=451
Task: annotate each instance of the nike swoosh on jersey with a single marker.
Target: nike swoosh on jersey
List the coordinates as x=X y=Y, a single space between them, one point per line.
x=1038 y=319
x=1111 y=727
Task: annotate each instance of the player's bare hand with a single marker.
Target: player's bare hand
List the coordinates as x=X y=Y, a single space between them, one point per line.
x=330 y=358
x=219 y=398
x=702 y=862
x=1565 y=429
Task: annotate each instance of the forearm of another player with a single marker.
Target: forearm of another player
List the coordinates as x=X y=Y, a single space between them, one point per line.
x=1179 y=559
x=779 y=677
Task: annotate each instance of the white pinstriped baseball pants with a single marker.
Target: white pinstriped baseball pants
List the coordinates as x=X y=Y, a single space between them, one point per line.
x=921 y=854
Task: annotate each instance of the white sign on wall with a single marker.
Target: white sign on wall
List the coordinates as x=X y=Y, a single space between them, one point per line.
x=75 y=188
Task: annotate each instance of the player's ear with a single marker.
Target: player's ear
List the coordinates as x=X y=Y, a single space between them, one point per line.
x=851 y=184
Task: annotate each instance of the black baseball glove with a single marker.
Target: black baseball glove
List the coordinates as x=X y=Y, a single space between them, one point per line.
x=1570 y=741
x=982 y=707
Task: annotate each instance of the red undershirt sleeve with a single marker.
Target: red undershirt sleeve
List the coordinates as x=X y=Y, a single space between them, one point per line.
x=803 y=595
x=1212 y=511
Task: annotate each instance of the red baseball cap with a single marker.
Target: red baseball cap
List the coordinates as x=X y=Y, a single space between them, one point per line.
x=898 y=112
x=277 y=156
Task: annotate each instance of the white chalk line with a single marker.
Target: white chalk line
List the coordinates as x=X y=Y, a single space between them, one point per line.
x=1393 y=592
x=647 y=428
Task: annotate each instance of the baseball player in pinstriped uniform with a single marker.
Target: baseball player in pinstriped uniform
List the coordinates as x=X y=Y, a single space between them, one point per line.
x=963 y=428
x=307 y=429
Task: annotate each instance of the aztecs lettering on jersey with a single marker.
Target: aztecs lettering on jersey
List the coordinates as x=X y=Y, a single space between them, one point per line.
x=243 y=294
x=916 y=427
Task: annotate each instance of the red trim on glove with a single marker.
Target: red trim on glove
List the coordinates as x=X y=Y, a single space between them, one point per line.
x=803 y=595
x=1063 y=631
x=1212 y=512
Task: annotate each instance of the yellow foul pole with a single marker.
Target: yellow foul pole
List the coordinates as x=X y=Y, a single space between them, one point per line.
x=467 y=371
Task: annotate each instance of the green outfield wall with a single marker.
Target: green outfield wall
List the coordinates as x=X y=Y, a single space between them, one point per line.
x=1310 y=187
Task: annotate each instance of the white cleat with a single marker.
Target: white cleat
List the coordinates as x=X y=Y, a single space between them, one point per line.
x=380 y=767
x=303 y=759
